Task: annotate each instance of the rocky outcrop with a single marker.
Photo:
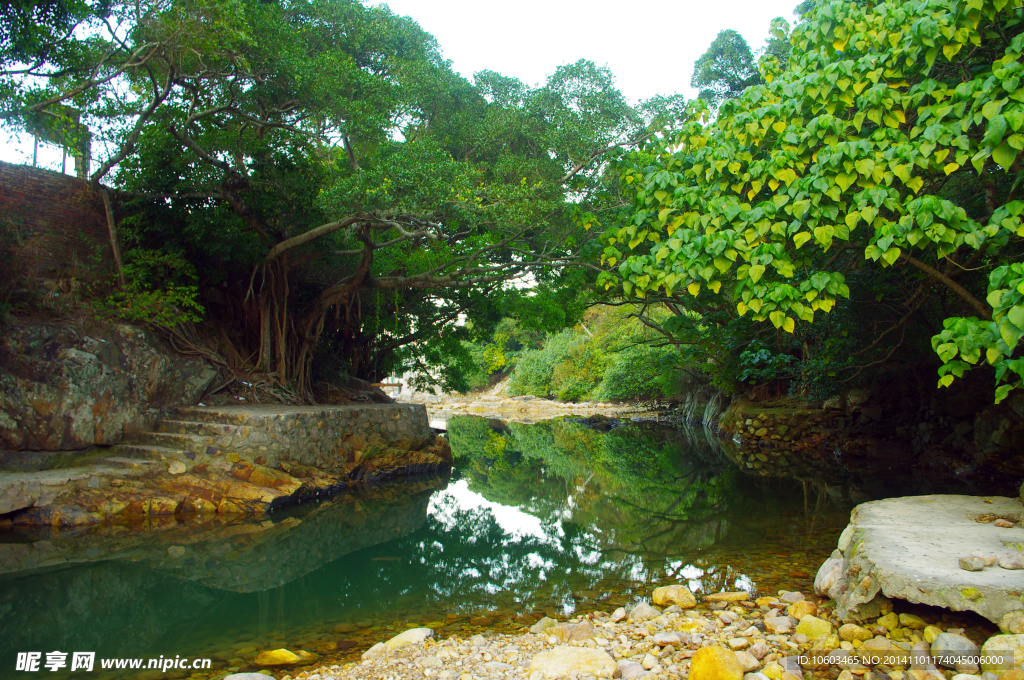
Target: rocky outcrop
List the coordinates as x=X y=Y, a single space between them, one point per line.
x=909 y=548
x=65 y=386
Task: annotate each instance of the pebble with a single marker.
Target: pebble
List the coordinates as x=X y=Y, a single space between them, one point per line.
x=1012 y=560
x=673 y=644
x=643 y=612
x=972 y=563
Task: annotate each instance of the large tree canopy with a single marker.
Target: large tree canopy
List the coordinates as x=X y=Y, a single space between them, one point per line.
x=338 y=193
x=892 y=136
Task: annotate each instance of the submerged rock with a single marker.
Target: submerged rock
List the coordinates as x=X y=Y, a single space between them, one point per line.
x=283 y=658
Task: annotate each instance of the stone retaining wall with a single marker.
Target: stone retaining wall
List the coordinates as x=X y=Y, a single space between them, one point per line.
x=326 y=437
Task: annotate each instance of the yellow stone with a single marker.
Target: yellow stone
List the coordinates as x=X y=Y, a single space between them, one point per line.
x=930 y=633
x=666 y=596
x=716 y=663
x=277 y=657
x=890 y=620
x=799 y=610
x=735 y=596
x=773 y=671
x=912 y=622
x=233 y=457
x=852 y=631
x=814 y=628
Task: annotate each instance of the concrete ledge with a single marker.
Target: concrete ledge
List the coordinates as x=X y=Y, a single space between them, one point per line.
x=909 y=548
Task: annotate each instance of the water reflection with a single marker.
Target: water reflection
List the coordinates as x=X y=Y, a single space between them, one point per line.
x=552 y=517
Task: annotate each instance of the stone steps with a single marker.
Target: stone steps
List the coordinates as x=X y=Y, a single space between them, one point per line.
x=156 y=453
x=195 y=427
x=185 y=442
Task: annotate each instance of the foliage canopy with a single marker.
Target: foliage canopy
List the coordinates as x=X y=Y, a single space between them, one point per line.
x=892 y=135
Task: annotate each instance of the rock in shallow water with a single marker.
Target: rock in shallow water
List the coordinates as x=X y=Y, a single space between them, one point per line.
x=546 y=623
x=283 y=658
x=564 y=661
x=681 y=596
x=409 y=637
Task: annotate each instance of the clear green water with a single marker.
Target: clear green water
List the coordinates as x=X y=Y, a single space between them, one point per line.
x=549 y=518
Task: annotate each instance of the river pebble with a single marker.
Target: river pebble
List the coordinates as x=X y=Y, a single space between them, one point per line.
x=695 y=644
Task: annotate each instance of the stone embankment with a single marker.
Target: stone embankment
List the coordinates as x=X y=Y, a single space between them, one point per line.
x=229 y=460
x=726 y=637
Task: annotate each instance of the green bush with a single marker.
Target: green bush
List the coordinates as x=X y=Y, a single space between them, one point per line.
x=160 y=288
x=639 y=372
x=535 y=369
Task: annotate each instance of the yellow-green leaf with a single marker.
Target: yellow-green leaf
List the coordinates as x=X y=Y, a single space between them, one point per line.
x=1004 y=155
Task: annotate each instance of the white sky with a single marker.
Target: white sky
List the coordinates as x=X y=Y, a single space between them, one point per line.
x=649 y=46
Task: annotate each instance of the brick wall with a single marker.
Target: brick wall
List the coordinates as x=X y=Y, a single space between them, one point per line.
x=49 y=222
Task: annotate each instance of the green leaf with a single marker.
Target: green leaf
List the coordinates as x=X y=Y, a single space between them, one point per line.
x=1016 y=316
x=777 y=319
x=755 y=272
x=1004 y=155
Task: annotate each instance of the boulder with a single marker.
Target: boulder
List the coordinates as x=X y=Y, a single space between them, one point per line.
x=715 y=663
x=565 y=661
x=910 y=548
x=67 y=386
x=681 y=596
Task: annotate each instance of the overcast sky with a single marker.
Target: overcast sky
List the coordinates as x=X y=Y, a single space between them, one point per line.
x=649 y=46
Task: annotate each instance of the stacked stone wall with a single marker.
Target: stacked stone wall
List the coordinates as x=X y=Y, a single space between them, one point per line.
x=51 y=224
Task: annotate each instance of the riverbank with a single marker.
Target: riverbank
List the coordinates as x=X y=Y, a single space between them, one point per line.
x=726 y=637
